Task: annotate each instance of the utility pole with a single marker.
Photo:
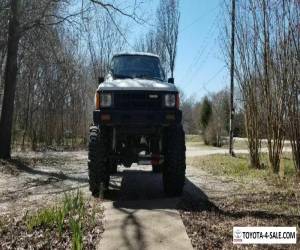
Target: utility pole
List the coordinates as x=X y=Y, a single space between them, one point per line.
x=232 y=79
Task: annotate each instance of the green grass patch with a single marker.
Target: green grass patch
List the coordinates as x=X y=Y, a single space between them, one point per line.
x=239 y=168
x=193 y=138
x=74 y=223
x=195 y=141
x=49 y=217
x=69 y=215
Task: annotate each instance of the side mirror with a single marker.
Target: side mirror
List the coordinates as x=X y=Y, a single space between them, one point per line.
x=171 y=80
x=100 y=79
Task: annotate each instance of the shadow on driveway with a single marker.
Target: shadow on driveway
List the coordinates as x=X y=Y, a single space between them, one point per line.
x=140 y=215
x=23 y=167
x=144 y=190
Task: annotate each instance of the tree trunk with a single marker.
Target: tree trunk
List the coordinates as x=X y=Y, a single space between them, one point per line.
x=10 y=81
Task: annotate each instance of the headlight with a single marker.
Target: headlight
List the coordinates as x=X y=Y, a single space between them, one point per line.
x=105 y=100
x=102 y=100
x=170 y=100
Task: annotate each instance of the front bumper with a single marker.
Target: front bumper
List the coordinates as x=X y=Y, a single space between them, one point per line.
x=148 y=118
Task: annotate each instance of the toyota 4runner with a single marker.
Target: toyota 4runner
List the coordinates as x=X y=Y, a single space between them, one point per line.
x=137 y=120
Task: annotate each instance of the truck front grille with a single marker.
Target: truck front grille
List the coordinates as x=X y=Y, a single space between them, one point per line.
x=138 y=101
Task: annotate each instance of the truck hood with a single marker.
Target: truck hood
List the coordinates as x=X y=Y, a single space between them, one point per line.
x=136 y=84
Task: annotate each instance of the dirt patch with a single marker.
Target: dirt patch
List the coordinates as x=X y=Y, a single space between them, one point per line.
x=210 y=226
x=217 y=204
x=8 y=168
x=34 y=180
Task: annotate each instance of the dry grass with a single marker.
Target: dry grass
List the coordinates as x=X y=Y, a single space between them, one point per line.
x=263 y=199
x=211 y=227
x=238 y=143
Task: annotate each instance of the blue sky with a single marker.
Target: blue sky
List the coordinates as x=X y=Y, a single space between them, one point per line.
x=200 y=67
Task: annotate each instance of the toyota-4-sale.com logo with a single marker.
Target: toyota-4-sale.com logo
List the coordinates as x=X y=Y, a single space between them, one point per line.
x=264 y=235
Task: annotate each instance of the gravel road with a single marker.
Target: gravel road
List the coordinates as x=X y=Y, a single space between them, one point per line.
x=196 y=151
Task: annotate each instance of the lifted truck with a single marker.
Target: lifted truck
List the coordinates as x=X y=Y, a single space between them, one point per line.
x=137 y=120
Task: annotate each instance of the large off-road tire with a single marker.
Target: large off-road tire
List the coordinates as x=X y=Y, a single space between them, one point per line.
x=98 y=161
x=113 y=168
x=174 y=169
x=157 y=168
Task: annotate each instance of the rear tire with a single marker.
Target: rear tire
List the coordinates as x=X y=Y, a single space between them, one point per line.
x=174 y=169
x=98 y=161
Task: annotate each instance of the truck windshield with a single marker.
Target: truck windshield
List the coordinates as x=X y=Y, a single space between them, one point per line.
x=137 y=66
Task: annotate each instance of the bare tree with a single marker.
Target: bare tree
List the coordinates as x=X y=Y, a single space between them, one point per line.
x=217 y=127
x=4 y=14
x=104 y=39
x=168 y=16
x=152 y=42
x=52 y=69
x=248 y=72
x=162 y=40
x=292 y=57
x=266 y=72
x=251 y=83
x=275 y=81
x=10 y=79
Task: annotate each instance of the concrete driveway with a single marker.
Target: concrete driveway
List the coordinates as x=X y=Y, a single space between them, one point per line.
x=139 y=216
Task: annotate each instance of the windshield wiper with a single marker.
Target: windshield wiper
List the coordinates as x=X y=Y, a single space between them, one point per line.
x=122 y=76
x=149 y=77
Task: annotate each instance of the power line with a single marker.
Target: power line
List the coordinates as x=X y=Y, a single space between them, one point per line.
x=202 y=86
x=199 y=18
x=201 y=50
x=202 y=62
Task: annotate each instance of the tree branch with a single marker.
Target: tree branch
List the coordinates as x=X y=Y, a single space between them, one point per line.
x=108 y=6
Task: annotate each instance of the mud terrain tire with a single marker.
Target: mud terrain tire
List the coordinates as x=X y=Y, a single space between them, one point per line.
x=157 y=168
x=174 y=169
x=97 y=161
x=113 y=168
